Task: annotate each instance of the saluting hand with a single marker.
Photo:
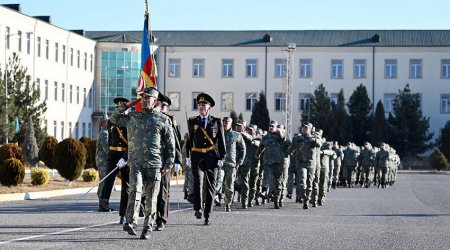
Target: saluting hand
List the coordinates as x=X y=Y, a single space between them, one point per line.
x=133 y=103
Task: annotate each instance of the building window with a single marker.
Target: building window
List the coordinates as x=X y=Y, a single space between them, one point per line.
x=78 y=59
x=46 y=90
x=359 y=68
x=90 y=130
x=71 y=56
x=305 y=68
x=19 y=46
x=85 y=61
x=227 y=68
x=56 y=91
x=175 y=100
x=91 y=62
x=28 y=43
x=337 y=69
x=8 y=39
x=77 y=133
x=198 y=67
x=70 y=129
x=280 y=68
x=63 y=89
x=250 y=101
x=415 y=68
x=62 y=130
x=390 y=68
x=90 y=98
x=83 y=129
x=64 y=54
x=174 y=67
x=304 y=103
x=251 y=68
x=194 y=100
x=54 y=128
x=389 y=101
x=84 y=97
x=70 y=93
x=78 y=95
x=445 y=103
x=47 y=44
x=280 y=101
x=334 y=98
x=445 y=68
x=56 y=52
x=227 y=102
x=39 y=46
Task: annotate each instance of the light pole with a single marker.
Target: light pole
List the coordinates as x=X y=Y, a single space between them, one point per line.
x=309 y=101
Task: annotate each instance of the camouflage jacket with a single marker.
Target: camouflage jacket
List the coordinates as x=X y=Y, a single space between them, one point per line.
x=339 y=156
x=272 y=145
x=381 y=159
x=235 y=148
x=150 y=137
x=367 y=158
x=250 y=149
x=350 y=157
x=306 y=149
x=102 y=148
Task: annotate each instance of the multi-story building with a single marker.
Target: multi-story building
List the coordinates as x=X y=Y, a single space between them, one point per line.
x=60 y=63
x=232 y=66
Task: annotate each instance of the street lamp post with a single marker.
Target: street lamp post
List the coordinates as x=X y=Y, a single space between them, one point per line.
x=309 y=102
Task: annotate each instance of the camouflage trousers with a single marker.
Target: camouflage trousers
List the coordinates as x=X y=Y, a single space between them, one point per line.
x=349 y=174
x=284 y=176
x=382 y=173
x=150 y=179
x=304 y=176
x=228 y=183
x=253 y=182
x=315 y=184
x=102 y=172
x=219 y=180
x=323 y=182
x=277 y=174
x=187 y=187
x=259 y=181
x=244 y=176
x=367 y=175
x=290 y=180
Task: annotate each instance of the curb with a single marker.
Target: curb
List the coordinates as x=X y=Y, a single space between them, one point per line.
x=60 y=192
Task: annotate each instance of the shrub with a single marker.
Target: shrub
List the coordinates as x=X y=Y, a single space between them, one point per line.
x=40 y=176
x=69 y=158
x=91 y=152
x=438 y=160
x=90 y=175
x=9 y=151
x=89 y=158
x=47 y=151
x=12 y=172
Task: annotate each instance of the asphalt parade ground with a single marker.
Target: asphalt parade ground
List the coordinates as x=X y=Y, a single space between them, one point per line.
x=412 y=214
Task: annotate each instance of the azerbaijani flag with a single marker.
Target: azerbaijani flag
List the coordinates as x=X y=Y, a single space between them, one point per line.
x=148 y=74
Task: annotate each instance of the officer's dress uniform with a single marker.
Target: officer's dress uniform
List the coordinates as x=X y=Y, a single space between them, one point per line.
x=207 y=145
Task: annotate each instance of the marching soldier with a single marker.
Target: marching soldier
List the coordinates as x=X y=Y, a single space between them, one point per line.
x=151 y=148
x=337 y=164
x=207 y=145
x=250 y=166
x=326 y=154
x=367 y=158
x=118 y=151
x=187 y=187
x=101 y=154
x=235 y=148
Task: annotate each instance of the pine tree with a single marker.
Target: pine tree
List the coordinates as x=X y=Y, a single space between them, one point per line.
x=23 y=102
x=443 y=142
x=260 y=114
x=409 y=127
x=379 y=130
x=233 y=116
x=320 y=108
x=30 y=148
x=339 y=126
x=359 y=108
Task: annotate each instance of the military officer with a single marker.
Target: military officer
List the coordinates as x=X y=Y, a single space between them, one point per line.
x=151 y=148
x=207 y=145
x=118 y=150
x=382 y=164
x=101 y=154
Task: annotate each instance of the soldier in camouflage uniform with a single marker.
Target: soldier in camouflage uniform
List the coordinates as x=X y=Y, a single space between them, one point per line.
x=350 y=163
x=272 y=145
x=259 y=178
x=252 y=143
x=381 y=163
x=337 y=164
x=367 y=159
x=326 y=153
x=151 y=147
x=101 y=154
x=305 y=162
x=286 y=164
x=315 y=192
x=187 y=187
x=235 y=148
x=244 y=170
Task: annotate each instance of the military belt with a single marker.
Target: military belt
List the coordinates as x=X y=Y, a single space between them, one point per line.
x=203 y=150
x=118 y=149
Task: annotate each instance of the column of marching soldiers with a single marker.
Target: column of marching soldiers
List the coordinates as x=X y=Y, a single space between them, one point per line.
x=222 y=165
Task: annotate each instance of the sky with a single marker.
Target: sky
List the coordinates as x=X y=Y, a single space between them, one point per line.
x=121 y=15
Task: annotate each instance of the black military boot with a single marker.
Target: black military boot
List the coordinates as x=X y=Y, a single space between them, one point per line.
x=280 y=204
x=276 y=205
x=305 y=205
x=145 y=235
x=289 y=196
x=257 y=202
x=130 y=228
x=186 y=195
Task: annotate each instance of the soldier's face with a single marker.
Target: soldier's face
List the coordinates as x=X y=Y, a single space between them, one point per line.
x=226 y=125
x=203 y=108
x=148 y=102
x=272 y=128
x=239 y=128
x=305 y=130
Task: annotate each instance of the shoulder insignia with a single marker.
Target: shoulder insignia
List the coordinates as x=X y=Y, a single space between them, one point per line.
x=193 y=117
x=216 y=117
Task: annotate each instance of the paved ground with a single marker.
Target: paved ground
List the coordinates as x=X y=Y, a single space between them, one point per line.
x=415 y=213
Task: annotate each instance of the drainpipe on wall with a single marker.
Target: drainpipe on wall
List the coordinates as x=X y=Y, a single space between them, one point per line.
x=265 y=72
x=373 y=80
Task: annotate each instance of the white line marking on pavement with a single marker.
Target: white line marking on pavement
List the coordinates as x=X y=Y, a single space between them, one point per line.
x=74 y=229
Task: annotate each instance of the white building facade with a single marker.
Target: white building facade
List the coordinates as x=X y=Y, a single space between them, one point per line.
x=60 y=63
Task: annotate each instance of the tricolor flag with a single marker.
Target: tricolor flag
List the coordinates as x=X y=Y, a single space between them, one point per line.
x=148 y=64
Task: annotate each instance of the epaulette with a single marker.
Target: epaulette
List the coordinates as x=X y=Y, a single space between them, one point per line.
x=192 y=117
x=216 y=117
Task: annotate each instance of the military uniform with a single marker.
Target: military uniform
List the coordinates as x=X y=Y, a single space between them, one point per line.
x=235 y=148
x=381 y=163
x=337 y=165
x=326 y=154
x=367 y=158
x=350 y=164
x=151 y=146
x=101 y=158
x=207 y=145
x=249 y=170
